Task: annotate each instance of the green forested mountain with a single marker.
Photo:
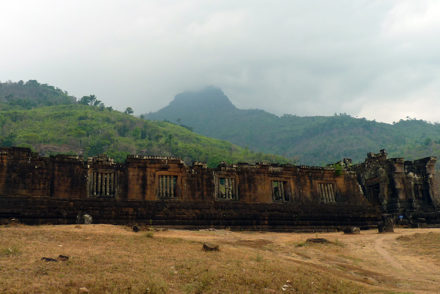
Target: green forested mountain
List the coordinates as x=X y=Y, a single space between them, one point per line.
x=50 y=121
x=31 y=94
x=315 y=140
x=68 y=127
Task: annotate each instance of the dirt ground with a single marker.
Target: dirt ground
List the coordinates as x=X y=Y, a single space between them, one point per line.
x=113 y=259
x=382 y=261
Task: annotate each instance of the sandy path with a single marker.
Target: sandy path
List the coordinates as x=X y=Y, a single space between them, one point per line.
x=423 y=277
x=380 y=248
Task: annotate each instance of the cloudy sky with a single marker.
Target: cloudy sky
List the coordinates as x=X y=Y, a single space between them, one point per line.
x=378 y=59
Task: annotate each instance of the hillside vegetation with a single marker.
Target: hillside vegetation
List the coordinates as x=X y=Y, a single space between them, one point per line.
x=315 y=140
x=31 y=94
x=70 y=127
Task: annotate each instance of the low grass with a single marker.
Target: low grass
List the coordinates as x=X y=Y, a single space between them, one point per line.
x=114 y=259
x=422 y=244
x=334 y=243
x=9 y=251
x=111 y=259
x=149 y=234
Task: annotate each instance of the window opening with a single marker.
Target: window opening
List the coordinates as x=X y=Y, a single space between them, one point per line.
x=327 y=192
x=103 y=184
x=226 y=189
x=279 y=192
x=167 y=187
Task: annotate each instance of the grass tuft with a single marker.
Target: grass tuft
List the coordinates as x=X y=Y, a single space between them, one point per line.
x=259 y=258
x=10 y=251
x=149 y=234
x=156 y=285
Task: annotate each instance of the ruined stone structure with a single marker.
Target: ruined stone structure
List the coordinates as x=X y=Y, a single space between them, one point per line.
x=165 y=191
x=403 y=188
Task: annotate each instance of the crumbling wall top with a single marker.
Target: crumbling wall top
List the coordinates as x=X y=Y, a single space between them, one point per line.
x=316 y=168
x=421 y=166
x=345 y=162
x=154 y=159
x=398 y=160
x=101 y=159
x=67 y=158
x=18 y=153
x=198 y=164
x=381 y=155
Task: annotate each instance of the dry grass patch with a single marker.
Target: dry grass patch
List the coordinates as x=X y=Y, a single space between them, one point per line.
x=9 y=251
x=426 y=244
x=110 y=259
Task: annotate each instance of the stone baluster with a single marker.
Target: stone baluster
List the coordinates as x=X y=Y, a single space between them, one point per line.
x=332 y=193
x=172 y=186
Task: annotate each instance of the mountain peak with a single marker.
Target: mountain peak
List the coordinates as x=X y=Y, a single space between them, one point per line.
x=207 y=99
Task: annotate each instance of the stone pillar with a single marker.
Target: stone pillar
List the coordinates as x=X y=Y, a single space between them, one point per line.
x=107 y=184
x=329 y=193
x=96 y=183
x=281 y=184
x=104 y=184
x=231 y=188
x=172 y=187
x=332 y=193
x=99 y=190
x=112 y=184
x=321 y=192
x=109 y=190
x=93 y=184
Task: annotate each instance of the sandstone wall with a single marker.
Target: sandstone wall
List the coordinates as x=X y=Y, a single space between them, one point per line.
x=198 y=214
x=164 y=190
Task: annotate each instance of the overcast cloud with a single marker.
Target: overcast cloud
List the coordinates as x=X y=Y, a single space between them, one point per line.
x=375 y=59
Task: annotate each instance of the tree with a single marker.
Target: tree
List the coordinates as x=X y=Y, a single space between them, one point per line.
x=427 y=142
x=89 y=100
x=93 y=99
x=8 y=141
x=85 y=100
x=129 y=110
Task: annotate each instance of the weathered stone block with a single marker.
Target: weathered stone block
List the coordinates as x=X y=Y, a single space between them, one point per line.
x=352 y=230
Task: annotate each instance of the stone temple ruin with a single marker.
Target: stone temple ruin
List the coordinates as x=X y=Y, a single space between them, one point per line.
x=165 y=191
x=408 y=189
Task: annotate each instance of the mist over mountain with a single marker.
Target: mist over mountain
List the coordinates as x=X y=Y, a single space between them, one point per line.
x=315 y=140
x=210 y=111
